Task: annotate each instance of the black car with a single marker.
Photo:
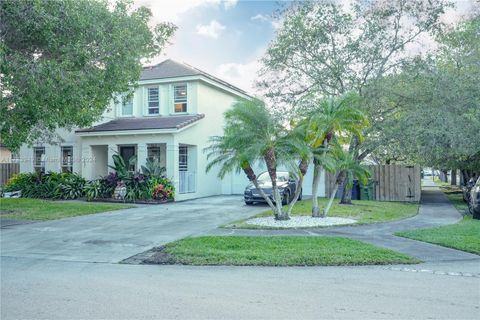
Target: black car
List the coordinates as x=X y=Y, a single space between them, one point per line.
x=474 y=204
x=287 y=185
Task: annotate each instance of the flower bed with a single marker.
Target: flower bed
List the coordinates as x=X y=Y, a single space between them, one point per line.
x=121 y=185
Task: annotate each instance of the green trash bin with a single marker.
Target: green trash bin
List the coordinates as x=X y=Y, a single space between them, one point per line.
x=366 y=191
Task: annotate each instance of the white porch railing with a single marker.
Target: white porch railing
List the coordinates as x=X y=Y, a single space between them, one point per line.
x=187 y=183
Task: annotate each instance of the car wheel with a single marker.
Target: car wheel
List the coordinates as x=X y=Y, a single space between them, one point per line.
x=286 y=197
x=248 y=203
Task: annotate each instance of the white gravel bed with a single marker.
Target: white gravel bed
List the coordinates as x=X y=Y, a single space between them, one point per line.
x=300 y=222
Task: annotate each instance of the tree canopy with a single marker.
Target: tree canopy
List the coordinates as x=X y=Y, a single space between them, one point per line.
x=437 y=99
x=61 y=62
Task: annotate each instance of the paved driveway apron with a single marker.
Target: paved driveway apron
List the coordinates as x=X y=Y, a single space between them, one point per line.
x=114 y=236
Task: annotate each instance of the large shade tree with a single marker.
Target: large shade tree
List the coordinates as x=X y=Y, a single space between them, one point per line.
x=437 y=122
x=61 y=62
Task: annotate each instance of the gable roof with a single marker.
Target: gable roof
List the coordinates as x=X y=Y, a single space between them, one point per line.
x=171 y=122
x=173 y=69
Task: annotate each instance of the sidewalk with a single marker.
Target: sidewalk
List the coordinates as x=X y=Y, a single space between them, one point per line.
x=435 y=210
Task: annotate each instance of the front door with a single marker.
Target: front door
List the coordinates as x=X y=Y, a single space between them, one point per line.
x=127 y=152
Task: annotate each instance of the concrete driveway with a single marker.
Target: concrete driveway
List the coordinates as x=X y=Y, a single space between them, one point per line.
x=117 y=235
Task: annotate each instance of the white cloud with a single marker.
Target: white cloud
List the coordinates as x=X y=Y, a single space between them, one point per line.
x=212 y=30
x=240 y=75
x=263 y=18
x=172 y=10
x=260 y=17
x=229 y=4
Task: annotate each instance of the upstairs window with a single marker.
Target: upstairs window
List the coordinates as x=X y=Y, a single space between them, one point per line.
x=153 y=101
x=127 y=106
x=67 y=159
x=180 y=97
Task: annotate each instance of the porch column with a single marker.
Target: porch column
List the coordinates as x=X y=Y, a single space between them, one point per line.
x=141 y=155
x=112 y=149
x=87 y=162
x=172 y=163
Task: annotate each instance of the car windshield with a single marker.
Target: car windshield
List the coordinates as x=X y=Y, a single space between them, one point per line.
x=265 y=177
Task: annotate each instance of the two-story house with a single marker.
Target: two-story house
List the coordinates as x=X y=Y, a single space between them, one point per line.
x=174 y=110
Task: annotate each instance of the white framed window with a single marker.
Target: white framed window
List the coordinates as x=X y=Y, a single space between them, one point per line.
x=66 y=154
x=180 y=98
x=127 y=106
x=183 y=158
x=153 y=152
x=39 y=159
x=153 y=101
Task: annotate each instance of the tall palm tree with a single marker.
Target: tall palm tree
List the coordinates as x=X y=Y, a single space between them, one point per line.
x=334 y=117
x=348 y=168
x=251 y=134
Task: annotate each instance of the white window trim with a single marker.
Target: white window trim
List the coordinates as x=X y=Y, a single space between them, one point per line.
x=42 y=158
x=173 y=97
x=62 y=165
x=121 y=115
x=146 y=113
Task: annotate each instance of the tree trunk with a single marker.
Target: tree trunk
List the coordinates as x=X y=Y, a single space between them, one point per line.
x=303 y=166
x=271 y=162
x=338 y=182
x=453 y=175
x=347 y=195
x=316 y=182
x=330 y=201
x=444 y=175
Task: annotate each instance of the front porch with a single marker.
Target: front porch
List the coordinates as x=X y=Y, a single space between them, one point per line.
x=179 y=159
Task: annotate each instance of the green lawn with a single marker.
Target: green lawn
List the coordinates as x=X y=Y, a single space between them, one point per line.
x=364 y=211
x=275 y=251
x=36 y=209
x=464 y=235
x=455 y=196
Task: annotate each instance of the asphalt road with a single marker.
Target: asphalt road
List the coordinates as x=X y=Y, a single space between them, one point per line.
x=52 y=289
x=68 y=269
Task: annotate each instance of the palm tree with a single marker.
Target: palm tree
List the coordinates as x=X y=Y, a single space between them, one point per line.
x=334 y=117
x=251 y=134
x=348 y=168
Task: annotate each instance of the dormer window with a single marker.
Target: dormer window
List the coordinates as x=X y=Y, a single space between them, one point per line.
x=153 y=101
x=180 y=98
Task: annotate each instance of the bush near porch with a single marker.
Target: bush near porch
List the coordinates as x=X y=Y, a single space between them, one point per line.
x=148 y=185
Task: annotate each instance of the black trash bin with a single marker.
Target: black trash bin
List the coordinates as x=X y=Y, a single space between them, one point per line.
x=356 y=190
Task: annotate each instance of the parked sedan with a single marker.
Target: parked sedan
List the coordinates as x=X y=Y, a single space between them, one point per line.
x=475 y=200
x=287 y=185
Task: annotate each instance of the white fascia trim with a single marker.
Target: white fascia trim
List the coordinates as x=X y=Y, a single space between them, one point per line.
x=134 y=132
x=193 y=78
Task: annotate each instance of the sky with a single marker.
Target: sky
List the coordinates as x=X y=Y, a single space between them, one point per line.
x=227 y=38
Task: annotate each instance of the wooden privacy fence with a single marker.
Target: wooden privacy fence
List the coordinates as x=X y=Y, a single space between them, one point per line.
x=7 y=170
x=390 y=183
x=397 y=183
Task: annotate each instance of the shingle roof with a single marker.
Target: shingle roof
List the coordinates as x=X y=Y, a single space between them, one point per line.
x=171 y=122
x=168 y=69
x=172 y=69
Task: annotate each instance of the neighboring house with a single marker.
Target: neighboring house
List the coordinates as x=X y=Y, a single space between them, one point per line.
x=173 y=112
x=6 y=156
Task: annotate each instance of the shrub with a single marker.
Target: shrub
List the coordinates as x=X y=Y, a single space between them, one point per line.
x=51 y=185
x=93 y=189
